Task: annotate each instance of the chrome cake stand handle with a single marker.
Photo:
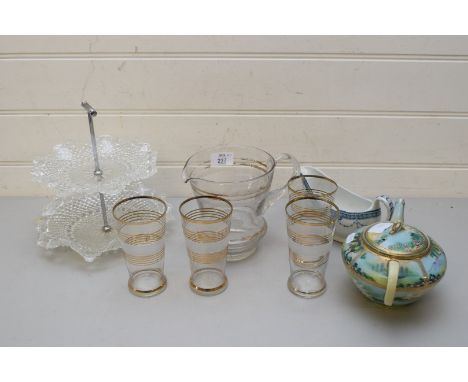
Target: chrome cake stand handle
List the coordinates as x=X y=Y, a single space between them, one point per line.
x=97 y=169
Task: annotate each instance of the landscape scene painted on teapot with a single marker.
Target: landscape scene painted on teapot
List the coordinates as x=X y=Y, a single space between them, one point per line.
x=369 y=271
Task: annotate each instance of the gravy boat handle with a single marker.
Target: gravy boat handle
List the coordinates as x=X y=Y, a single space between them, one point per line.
x=388 y=203
x=274 y=195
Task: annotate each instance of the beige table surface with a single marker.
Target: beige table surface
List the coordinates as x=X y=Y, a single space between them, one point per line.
x=61 y=300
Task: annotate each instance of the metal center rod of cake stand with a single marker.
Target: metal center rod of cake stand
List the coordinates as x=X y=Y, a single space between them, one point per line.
x=97 y=169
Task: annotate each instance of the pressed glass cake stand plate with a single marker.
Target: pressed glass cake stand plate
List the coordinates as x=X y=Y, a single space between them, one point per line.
x=70 y=168
x=76 y=222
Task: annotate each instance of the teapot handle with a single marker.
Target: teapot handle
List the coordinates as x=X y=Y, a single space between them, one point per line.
x=392 y=279
x=274 y=195
x=388 y=203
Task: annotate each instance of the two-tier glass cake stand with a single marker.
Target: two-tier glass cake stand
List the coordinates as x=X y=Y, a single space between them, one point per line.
x=88 y=179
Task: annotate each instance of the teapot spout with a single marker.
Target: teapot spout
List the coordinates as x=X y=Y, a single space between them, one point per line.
x=399 y=211
x=398 y=216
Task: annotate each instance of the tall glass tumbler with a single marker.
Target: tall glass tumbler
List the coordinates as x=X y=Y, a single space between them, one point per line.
x=141 y=228
x=312 y=185
x=206 y=221
x=311 y=224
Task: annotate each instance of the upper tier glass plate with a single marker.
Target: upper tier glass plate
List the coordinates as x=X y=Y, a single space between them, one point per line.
x=70 y=167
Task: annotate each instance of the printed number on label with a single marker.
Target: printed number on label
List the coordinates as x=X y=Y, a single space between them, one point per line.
x=222 y=159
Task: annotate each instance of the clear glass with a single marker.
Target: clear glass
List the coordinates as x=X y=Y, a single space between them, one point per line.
x=312 y=185
x=76 y=222
x=307 y=282
x=311 y=225
x=242 y=175
x=141 y=222
x=206 y=221
x=70 y=167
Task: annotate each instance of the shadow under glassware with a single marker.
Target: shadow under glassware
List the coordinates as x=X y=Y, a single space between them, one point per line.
x=206 y=222
x=312 y=185
x=311 y=223
x=243 y=176
x=141 y=226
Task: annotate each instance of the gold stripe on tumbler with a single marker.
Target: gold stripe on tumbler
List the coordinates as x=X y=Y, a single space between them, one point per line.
x=319 y=211
x=304 y=263
x=139 y=217
x=308 y=240
x=206 y=215
x=143 y=238
x=306 y=193
x=296 y=184
x=205 y=236
x=312 y=217
x=207 y=258
x=145 y=260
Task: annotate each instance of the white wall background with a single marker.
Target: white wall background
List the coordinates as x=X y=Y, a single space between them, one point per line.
x=379 y=114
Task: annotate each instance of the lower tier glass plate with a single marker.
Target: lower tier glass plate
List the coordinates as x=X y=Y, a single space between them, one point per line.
x=77 y=222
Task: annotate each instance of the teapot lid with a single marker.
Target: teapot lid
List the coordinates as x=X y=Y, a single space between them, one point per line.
x=395 y=239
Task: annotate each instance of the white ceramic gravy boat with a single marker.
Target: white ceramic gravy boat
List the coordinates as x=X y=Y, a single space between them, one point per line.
x=355 y=210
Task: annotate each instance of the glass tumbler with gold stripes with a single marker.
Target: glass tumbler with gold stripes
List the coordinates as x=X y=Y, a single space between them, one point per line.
x=311 y=224
x=141 y=228
x=312 y=185
x=206 y=222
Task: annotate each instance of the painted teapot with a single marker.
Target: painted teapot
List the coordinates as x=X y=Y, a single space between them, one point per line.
x=393 y=263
